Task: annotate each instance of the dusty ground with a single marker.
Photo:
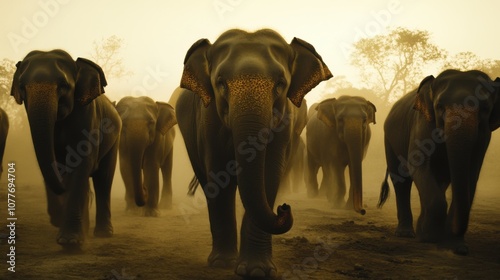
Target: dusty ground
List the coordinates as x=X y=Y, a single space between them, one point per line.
x=323 y=244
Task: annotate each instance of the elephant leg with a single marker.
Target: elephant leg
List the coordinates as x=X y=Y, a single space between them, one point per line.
x=152 y=184
x=129 y=187
x=74 y=228
x=312 y=176
x=338 y=187
x=255 y=251
x=402 y=188
x=298 y=171
x=103 y=180
x=54 y=207
x=256 y=245
x=432 y=219
x=166 y=172
x=221 y=210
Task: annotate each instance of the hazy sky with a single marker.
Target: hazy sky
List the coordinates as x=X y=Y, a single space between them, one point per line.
x=158 y=33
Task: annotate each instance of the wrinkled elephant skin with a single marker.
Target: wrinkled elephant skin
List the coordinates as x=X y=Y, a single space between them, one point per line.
x=75 y=131
x=235 y=116
x=437 y=136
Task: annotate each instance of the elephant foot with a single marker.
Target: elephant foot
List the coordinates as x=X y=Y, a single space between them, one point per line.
x=256 y=268
x=104 y=231
x=151 y=212
x=70 y=241
x=405 y=232
x=222 y=259
x=457 y=245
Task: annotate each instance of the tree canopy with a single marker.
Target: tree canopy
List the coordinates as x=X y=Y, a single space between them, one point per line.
x=106 y=54
x=392 y=64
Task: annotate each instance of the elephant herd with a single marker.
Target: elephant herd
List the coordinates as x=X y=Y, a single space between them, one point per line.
x=241 y=111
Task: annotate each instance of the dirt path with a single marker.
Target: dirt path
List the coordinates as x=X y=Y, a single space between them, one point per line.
x=323 y=244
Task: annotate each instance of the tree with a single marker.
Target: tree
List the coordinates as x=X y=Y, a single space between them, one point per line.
x=392 y=64
x=7 y=102
x=470 y=61
x=464 y=61
x=106 y=54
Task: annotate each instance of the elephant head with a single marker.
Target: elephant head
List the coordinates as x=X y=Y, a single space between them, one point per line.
x=142 y=120
x=463 y=108
x=350 y=117
x=249 y=78
x=52 y=85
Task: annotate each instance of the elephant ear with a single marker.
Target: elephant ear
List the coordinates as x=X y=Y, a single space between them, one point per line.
x=495 y=113
x=166 y=117
x=423 y=101
x=326 y=112
x=308 y=70
x=14 y=89
x=196 y=76
x=371 y=112
x=90 y=81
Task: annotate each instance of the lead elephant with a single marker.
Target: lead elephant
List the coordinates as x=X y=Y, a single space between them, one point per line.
x=146 y=146
x=338 y=134
x=234 y=115
x=435 y=136
x=4 y=130
x=75 y=131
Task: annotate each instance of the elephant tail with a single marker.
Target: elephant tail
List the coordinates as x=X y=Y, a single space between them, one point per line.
x=193 y=185
x=384 y=190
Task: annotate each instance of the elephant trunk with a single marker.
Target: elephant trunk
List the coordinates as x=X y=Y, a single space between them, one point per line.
x=41 y=108
x=461 y=139
x=131 y=160
x=354 y=138
x=250 y=139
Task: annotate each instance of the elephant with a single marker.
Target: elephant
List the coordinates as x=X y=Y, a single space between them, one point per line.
x=75 y=132
x=437 y=135
x=146 y=146
x=294 y=172
x=4 y=130
x=235 y=116
x=337 y=136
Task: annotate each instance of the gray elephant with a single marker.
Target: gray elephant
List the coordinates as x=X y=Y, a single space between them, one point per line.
x=4 y=130
x=146 y=146
x=235 y=117
x=294 y=172
x=435 y=136
x=337 y=136
x=75 y=131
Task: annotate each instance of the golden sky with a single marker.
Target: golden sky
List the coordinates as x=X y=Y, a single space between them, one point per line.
x=158 y=33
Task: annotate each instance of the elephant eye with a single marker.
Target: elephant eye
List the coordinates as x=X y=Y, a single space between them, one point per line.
x=221 y=85
x=280 y=86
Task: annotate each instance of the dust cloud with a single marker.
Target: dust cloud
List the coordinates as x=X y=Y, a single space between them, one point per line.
x=324 y=243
